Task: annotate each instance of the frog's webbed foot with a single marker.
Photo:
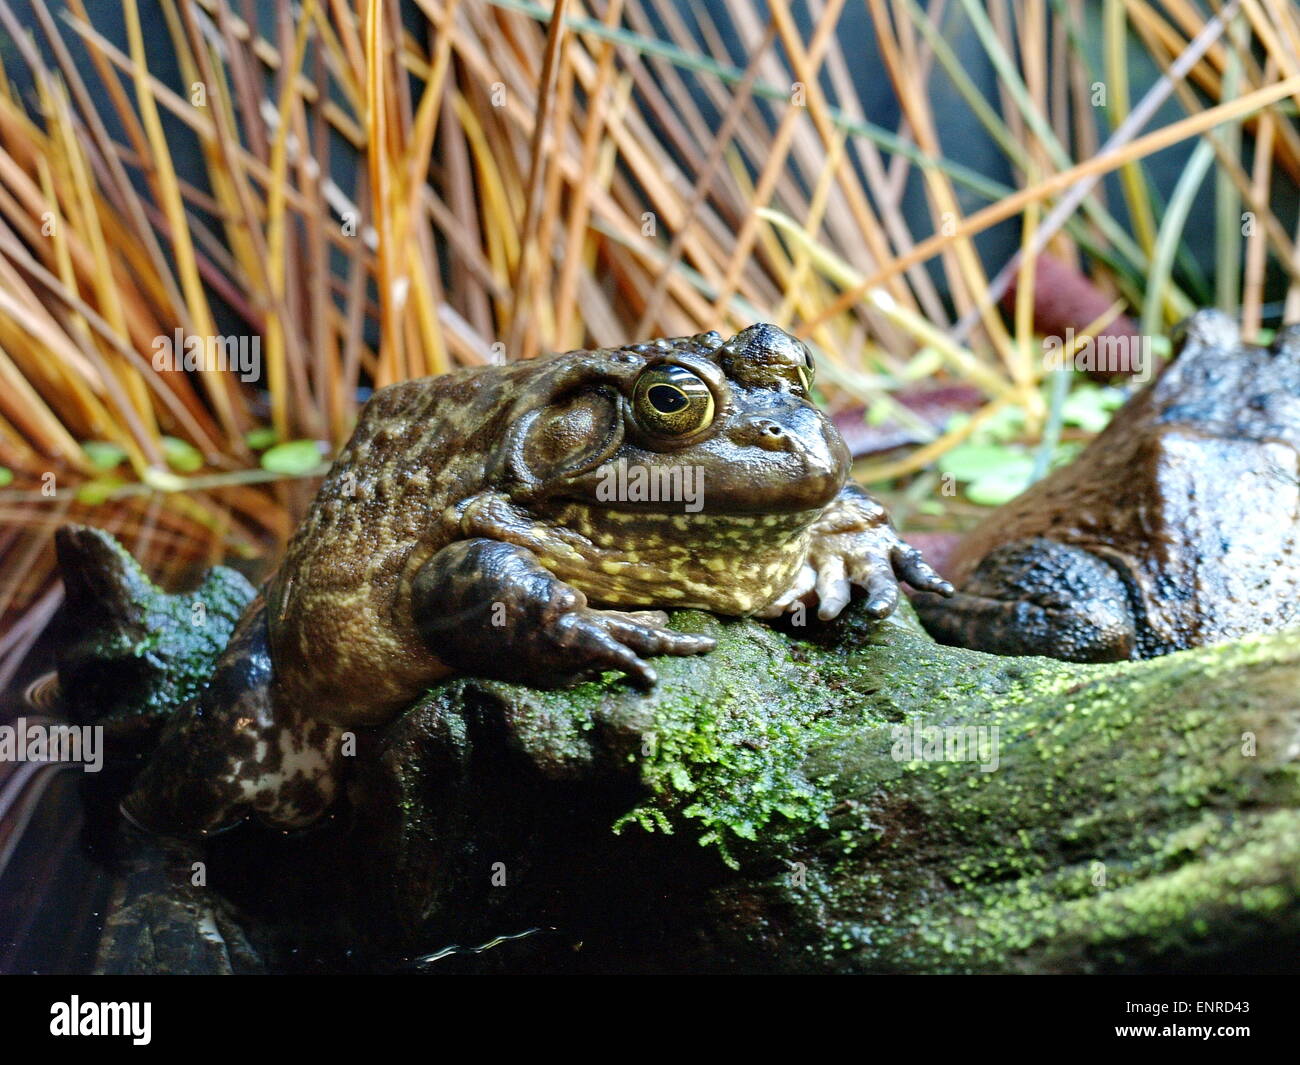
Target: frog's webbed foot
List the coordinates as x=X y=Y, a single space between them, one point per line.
x=854 y=544
x=490 y=608
x=1038 y=597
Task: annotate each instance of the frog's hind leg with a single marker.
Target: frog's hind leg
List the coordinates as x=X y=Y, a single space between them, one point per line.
x=231 y=751
x=1037 y=597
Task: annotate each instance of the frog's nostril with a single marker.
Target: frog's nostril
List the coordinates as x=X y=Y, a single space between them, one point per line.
x=769 y=434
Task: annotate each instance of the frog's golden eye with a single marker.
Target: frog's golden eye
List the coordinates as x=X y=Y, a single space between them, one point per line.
x=807 y=372
x=672 y=400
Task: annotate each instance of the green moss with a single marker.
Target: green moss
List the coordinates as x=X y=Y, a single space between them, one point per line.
x=1123 y=826
x=728 y=757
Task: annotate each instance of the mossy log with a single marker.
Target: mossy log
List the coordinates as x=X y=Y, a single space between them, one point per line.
x=860 y=799
x=850 y=797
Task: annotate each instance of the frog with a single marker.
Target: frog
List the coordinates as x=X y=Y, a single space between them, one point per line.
x=528 y=522
x=1176 y=527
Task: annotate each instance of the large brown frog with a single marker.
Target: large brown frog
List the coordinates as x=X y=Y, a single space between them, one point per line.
x=516 y=522
x=1176 y=527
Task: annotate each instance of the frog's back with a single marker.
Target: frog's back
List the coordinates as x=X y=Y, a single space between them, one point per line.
x=1192 y=492
x=336 y=602
x=1217 y=548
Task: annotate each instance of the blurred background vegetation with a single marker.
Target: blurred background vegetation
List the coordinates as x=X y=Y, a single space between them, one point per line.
x=922 y=189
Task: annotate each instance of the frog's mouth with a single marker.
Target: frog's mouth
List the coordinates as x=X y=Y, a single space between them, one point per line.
x=735 y=483
x=627 y=487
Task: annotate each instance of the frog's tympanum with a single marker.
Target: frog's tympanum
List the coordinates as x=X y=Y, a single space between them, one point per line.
x=1176 y=527
x=522 y=522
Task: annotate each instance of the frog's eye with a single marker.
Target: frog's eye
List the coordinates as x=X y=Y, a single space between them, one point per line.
x=672 y=400
x=808 y=371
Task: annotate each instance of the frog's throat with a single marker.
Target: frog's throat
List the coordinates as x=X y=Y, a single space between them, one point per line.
x=732 y=564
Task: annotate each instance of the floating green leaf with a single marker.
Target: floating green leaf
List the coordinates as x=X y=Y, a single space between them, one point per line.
x=994 y=473
x=181 y=455
x=261 y=438
x=1090 y=407
x=970 y=462
x=99 y=490
x=294 y=457
x=103 y=454
x=1001 y=487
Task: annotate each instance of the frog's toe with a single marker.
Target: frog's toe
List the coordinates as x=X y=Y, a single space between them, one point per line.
x=612 y=639
x=587 y=645
x=657 y=619
x=913 y=568
x=882 y=592
x=654 y=638
x=804 y=582
x=833 y=588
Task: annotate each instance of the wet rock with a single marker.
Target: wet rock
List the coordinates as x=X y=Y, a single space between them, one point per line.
x=129 y=653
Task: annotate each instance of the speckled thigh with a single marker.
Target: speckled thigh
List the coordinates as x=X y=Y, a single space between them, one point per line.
x=232 y=750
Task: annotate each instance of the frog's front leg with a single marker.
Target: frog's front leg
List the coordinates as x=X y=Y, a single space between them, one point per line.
x=853 y=543
x=1038 y=597
x=492 y=609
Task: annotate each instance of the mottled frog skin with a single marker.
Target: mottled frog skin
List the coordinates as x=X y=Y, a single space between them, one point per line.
x=468 y=525
x=1177 y=527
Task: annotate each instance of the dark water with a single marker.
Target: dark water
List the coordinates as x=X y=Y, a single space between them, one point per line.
x=54 y=892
